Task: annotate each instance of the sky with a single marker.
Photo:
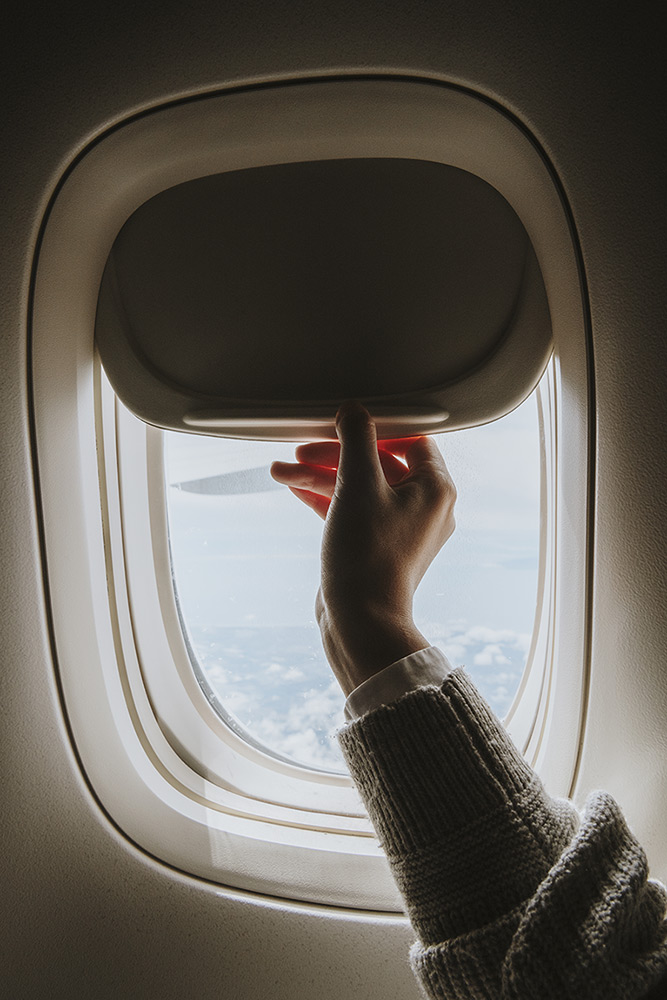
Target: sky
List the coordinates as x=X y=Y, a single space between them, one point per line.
x=254 y=558
x=250 y=561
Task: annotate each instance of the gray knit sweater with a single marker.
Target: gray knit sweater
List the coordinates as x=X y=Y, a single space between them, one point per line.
x=511 y=894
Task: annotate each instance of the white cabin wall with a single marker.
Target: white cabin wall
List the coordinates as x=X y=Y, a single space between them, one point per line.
x=87 y=914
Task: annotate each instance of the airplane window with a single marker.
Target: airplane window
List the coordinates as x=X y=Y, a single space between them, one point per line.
x=245 y=562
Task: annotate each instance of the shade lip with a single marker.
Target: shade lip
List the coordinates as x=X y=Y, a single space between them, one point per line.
x=300 y=412
x=316 y=422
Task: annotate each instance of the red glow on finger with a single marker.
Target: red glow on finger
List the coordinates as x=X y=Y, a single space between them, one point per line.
x=315 y=501
x=398 y=446
x=322 y=453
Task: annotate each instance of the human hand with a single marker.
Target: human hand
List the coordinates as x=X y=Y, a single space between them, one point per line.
x=388 y=508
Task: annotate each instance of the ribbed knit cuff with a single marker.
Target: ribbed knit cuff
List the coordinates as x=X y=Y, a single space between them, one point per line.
x=467 y=827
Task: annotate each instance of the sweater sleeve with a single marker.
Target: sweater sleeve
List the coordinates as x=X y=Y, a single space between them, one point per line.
x=511 y=895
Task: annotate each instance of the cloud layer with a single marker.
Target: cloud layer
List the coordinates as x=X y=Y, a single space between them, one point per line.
x=276 y=683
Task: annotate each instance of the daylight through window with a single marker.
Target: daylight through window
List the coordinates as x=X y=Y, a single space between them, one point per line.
x=245 y=558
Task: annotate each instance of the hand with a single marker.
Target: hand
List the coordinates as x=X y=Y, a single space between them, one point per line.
x=388 y=508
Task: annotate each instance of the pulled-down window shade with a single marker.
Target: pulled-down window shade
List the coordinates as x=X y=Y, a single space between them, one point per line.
x=251 y=302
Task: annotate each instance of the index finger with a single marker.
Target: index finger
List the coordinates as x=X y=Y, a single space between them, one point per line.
x=414 y=449
x=397 y=446
x=327 y=453
x=324 y=453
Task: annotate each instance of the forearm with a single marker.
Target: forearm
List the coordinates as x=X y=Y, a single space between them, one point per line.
x=509 y=900
x=484 y=859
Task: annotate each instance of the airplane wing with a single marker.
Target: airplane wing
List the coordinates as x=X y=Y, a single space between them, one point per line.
x=240 y=481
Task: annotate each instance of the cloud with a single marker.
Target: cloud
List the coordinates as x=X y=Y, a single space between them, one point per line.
x=306 y=731
x=276 y=682
x=455 y=652
x=293 y=674
x=285 y=673
x=492 y=653
x=483 y=659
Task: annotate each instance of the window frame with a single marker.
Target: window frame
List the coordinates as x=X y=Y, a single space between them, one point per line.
x=208 y=739
x=197 y=815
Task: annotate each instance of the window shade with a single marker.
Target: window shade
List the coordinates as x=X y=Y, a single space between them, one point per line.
x=250 y=303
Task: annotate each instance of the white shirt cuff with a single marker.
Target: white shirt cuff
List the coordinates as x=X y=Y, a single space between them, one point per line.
x=426 y=666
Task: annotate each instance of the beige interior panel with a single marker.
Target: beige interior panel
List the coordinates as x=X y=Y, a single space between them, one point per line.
x=87 y=913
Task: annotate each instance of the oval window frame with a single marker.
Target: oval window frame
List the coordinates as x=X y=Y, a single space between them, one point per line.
x=148 y=788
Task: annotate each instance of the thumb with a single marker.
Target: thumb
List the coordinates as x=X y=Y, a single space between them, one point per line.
x=359 y=461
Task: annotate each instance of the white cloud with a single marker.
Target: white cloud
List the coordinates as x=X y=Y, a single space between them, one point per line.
x=454 y=651
x=285 y=673
x=483 y=659
x=305 y=733
x=293 y=674
x=294 y=707
x=236 y=701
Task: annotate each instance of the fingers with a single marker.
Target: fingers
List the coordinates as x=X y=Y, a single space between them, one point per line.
x=313 y=485
x=425 y=460
x=428 y=473
x=420 y=449
x=324 y=453
x=395 y=461
x=421 y=455
x=359 y=463
x=327 y=453
x=394 y=470
x=423 y=451
x=316 y=502
x=397 y=446
x=312 y=478
x=416 y=451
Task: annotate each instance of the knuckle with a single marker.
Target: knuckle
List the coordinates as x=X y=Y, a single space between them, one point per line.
x=310 y=480
x=442 y=488
x=320 y=608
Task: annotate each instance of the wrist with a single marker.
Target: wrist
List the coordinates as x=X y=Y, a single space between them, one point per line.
x=360 y=645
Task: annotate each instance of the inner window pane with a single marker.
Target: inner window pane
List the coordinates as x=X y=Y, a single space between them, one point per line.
x=245 y=558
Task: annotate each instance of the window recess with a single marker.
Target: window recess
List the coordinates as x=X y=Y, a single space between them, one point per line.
x=167 y=771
